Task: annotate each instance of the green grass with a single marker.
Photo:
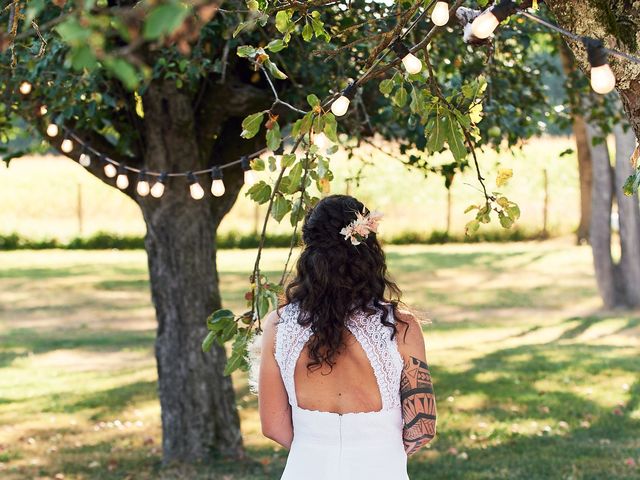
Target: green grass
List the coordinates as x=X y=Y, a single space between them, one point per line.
x=39 y=195
x=533 y=381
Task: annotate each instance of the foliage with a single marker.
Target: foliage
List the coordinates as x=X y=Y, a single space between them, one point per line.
x=90 y=63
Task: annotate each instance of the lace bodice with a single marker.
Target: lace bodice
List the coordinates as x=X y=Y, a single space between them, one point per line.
x=373 y=336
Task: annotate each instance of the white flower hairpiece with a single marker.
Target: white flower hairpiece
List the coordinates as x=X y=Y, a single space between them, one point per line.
x=361 y=227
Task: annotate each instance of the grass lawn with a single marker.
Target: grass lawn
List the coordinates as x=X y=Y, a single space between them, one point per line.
x=533 y=381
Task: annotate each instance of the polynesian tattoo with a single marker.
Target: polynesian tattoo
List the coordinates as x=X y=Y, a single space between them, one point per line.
x=418 y=405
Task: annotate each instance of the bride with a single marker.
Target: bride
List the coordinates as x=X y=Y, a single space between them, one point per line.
x=343 y=381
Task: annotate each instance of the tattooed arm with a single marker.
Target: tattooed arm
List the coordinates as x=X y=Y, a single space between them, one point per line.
x=416 y=390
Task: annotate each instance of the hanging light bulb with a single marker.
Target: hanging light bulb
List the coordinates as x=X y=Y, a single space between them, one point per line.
x=440 y=14
x=84 y=160
x=143 y=184
x=25 y=88
x=158 y=188
x=122 y=181
x=43 y=110
x=217 y=185
x=340 y=106
x=485 y=24
x=66 y=146
x=602 y=78
x=412 y=64
x=249 y=175
x=196 y=190
x=52 y=130
x=110 y=170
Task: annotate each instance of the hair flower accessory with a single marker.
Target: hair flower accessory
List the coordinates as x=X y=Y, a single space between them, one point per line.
x=361 y=227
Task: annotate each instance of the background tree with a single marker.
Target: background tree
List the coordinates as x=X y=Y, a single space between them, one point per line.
x=173 y=88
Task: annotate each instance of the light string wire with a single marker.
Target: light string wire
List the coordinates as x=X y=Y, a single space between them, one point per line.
x=576 y=37
x=152 y=173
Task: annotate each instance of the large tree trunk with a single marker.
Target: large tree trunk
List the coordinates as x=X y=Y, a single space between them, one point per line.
x=583 y=140
x=199 y=416
x=629 y=214
x=600 y=235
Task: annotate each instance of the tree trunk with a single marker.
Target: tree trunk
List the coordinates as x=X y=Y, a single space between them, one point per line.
x=583 y=141
x=600 y=233
x=199 y=416
x=629 y=213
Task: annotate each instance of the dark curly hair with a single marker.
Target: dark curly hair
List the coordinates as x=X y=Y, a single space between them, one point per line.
x=335 y=278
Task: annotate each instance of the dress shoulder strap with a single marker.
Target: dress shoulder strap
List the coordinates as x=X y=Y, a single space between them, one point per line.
x=382 y=352
x=291 y=338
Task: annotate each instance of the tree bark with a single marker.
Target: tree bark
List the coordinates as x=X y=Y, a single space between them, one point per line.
x=199 y=416
x=629 y=214
x=600 y=232
x=579 y=127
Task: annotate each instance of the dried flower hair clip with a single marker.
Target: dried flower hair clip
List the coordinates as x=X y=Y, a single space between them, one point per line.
x=361 y=227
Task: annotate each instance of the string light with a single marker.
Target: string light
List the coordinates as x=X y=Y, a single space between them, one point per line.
x=485 y=24
x=85 y=159
x=602 y=79
x=340 y=106
x=143 y=185
x=217 y=185
x=412 y=64
x=249 y=175
x=196 y=190
x=43 y=110
x=110 y=170
x=158 y=188
x=122 y=182
x=52 y=130
x=440 y=14
x=66 y=146
x=25 y=88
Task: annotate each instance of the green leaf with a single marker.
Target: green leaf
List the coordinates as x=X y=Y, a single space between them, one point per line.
x=273 y=137
x=313 y=100
x=260 y=192
x=124 y=71
x=83 y=57
x=435 y=133
x=307 y=32
x=274 y=70
x=472 y=227
x=297 y=212
x=288 y=159
x=253 y=5
x=386 y=86
x=216 y=319
x=331 y=127
x=505 y=221
x=246 y=51
x=72 y=32
x=251 y=125
x=400 y=97
x=283 y=18
x=513 y=211
x=238 y=358
x=208 y=341
x=281 y=207
x=455 y=138
x=276 y=45
x=163 y=19
x=305 y=124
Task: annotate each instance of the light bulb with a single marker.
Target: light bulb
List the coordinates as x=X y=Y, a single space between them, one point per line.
x=322 y=141
x=217 y=185
x=340 y=106
x=43 y=110
x=602 y=79
x=25 y=88
x=52 y=130
x=412 y=64
x=84 y=160
x=158 y=189
x=122 y=181
x=196 y=190
x=484 y=24
x=440 y=14
x=143 y=185
x=66 y=146
x=110 y=170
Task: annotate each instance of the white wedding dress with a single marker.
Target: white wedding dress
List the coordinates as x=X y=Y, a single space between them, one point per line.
x=349 y=446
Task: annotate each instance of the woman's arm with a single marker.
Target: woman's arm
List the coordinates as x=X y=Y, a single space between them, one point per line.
x=275 y=411
x=416 y=390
